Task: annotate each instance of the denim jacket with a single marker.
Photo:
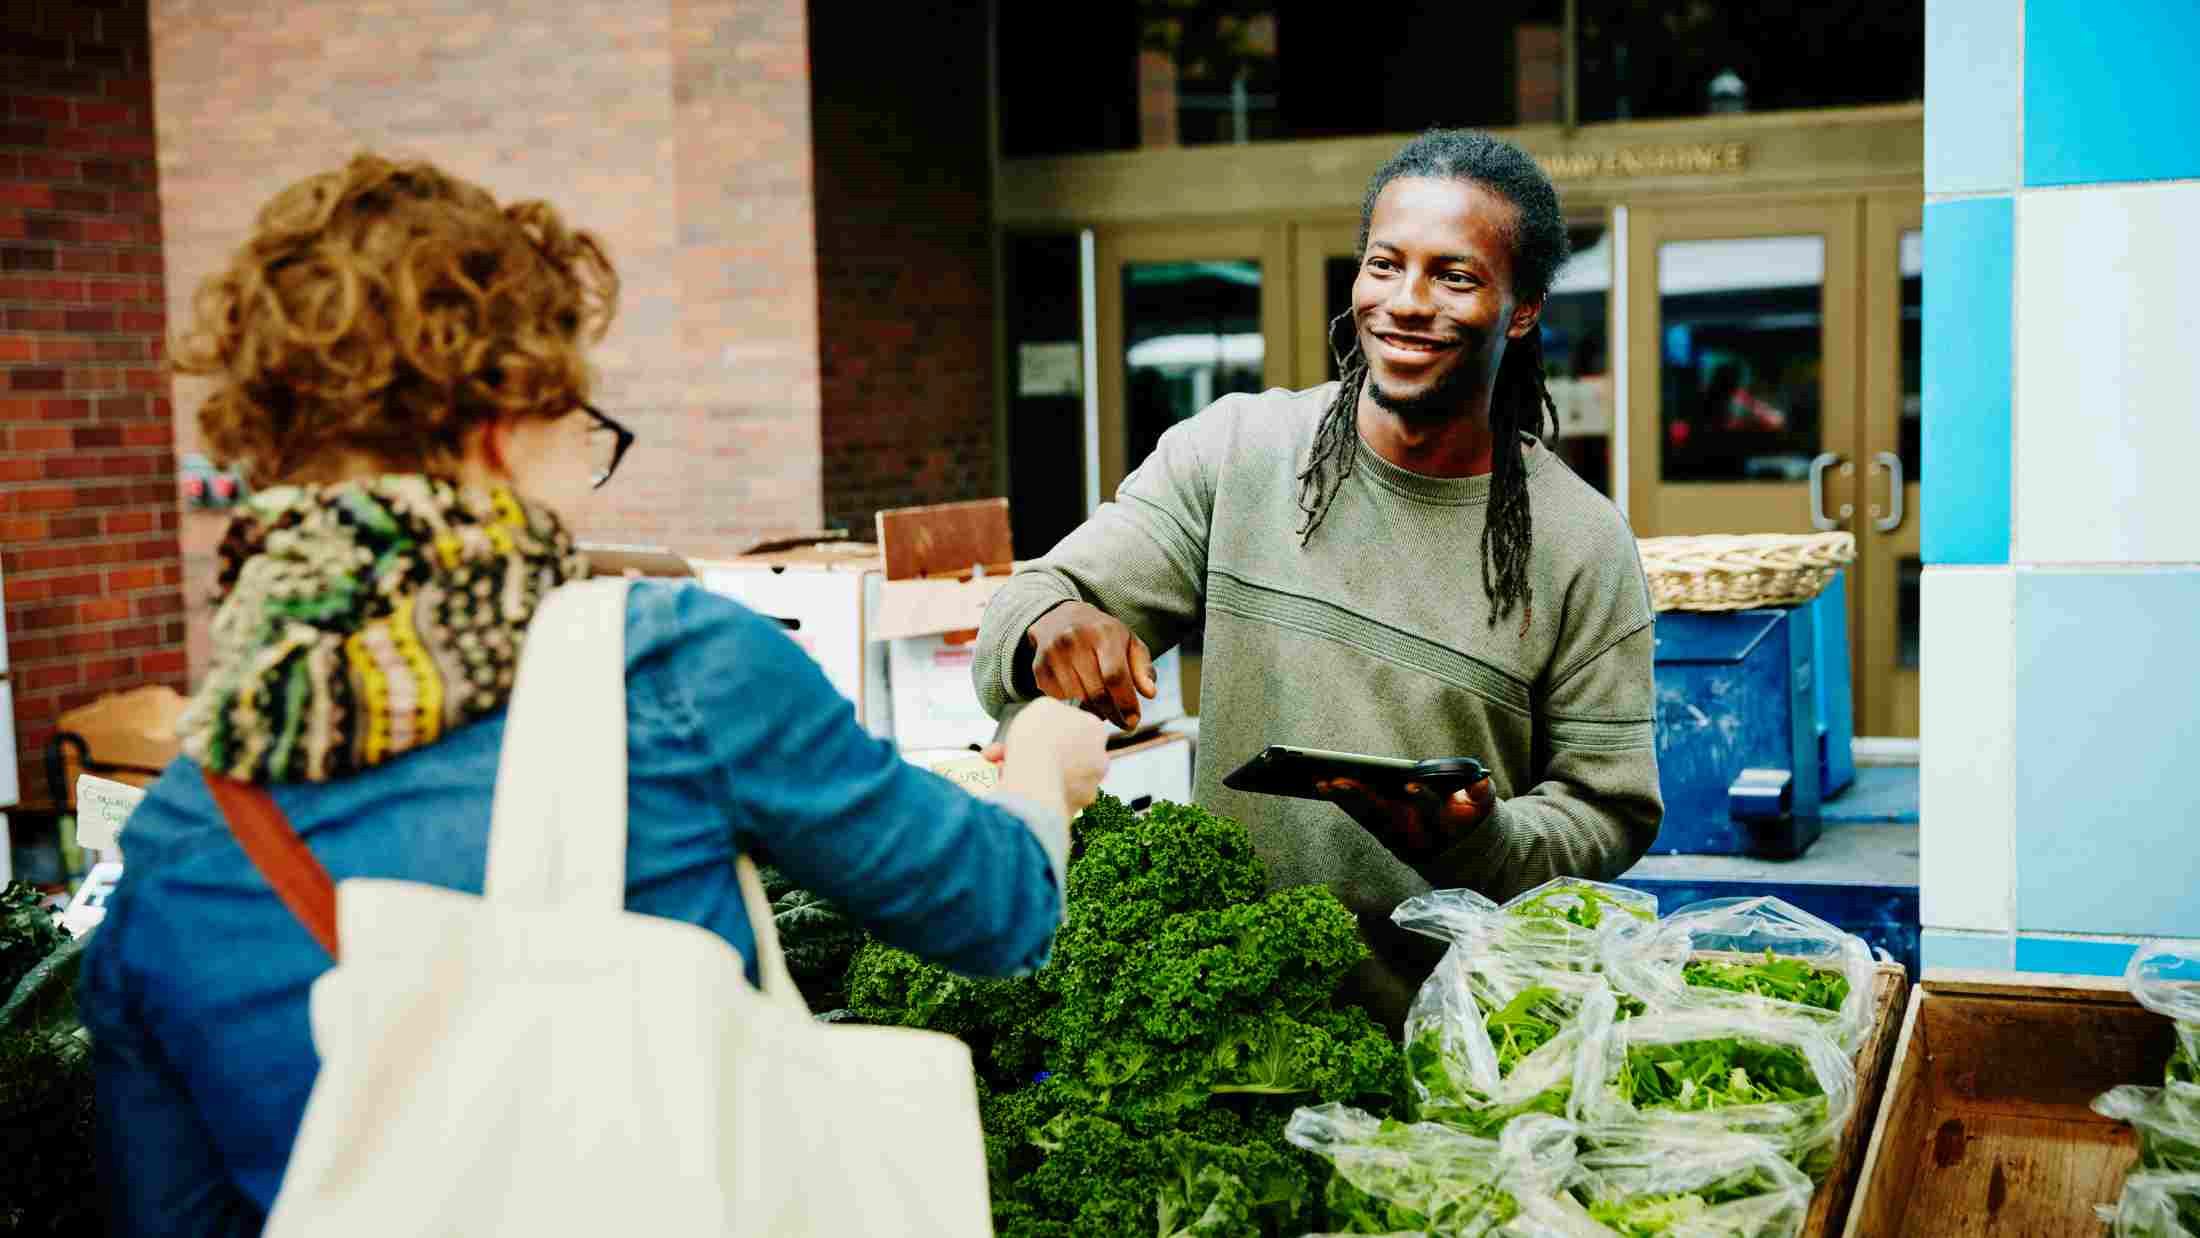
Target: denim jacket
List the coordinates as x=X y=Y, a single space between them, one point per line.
x=194 y=988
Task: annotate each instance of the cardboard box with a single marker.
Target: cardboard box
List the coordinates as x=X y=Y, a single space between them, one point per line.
x=1153 y=769
x=823 y=596
x=902 y=650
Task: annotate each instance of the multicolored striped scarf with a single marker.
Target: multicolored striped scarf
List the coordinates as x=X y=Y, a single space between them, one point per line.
x=360 y=621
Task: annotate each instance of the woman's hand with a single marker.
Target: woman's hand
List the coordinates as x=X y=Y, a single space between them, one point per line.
x=1422 y=822
x=1055 y=753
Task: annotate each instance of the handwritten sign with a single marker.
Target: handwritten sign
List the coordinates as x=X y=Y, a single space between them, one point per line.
x=102 y=805
x=974 y=774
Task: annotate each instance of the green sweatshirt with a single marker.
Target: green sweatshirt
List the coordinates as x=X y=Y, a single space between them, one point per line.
x=1374 y=638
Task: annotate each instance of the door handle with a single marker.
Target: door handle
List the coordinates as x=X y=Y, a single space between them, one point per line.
x=1893 y=519
x=1819 y=520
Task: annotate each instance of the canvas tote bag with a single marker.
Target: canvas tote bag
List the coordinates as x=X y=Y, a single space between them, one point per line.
x=538 y=1060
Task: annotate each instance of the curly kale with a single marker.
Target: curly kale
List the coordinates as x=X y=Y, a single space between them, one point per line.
x=1139 y=1084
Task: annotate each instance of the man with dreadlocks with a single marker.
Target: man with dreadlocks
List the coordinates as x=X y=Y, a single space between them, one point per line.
x=1393 y=564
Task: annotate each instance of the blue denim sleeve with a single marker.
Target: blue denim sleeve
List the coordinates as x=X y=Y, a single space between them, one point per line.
x=918 y=861
x=157 y=1161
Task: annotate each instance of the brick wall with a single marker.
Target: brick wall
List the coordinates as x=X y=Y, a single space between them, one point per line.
x=904 y=256
x=87 y=464
x=677 y=129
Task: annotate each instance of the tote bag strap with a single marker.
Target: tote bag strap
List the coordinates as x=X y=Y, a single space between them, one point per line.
x=557 y=833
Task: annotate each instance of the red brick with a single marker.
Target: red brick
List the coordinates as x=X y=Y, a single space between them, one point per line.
x=95 y=641
x=107 y=670
x=170 y=520
x=104 y=171
x=34 y=650
x=148 y=436
x=64 y=410
x=137 y=637
x=131 y=579
x=41 y=438
x=159 y=605
x=88 y=261
x=36 y=195
x=175 y=630
x=18 y=348
x=88 y=201
x=47 y=678
x=141 y=320
x=33 y=107
x=123 y=350
x=12 y=226
x=117 y=523
x=35 y=320
x=105 y=113
x=123 y=408
x=137 y=145
x=74 y=526
x=53 y=228
x=46 y=166
x=86 y=585
x=106 y=610
x=65 y=349
x=16 y=530
x=22 y=135
x=25 y=258
x=112 y=231
x=36 y=379
x=21 y=468
x=164 y=662
x=70 y=466
x=91 y=321
x=43 y=617
x=11 y=166
x=131 y=89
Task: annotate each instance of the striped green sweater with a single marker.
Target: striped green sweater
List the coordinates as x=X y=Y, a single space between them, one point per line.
x=1374 y=638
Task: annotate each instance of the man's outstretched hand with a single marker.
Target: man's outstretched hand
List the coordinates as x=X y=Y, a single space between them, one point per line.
x=1082 y=653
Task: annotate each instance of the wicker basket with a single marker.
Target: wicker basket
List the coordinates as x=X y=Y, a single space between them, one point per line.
x=1717 y=572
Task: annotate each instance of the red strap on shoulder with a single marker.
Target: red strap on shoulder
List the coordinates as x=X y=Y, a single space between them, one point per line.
x=281 y=856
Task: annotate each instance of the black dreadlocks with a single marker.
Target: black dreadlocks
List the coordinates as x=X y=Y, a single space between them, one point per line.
x=1520 y=405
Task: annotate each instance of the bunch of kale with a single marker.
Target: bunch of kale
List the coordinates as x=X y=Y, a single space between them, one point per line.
x=1140 y=1083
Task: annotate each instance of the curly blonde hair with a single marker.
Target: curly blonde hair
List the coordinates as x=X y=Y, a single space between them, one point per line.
x=385 y=309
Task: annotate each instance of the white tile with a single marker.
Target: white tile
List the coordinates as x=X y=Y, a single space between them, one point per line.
x=1967 y=774
x=2108 y=374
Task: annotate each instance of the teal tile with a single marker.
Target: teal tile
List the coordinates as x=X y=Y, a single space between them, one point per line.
x=1969 y=251
x=2074 y=956
x=2108 y=91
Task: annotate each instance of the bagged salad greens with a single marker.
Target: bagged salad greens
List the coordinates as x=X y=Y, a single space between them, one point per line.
x=1758 y=955
x=2155 y=1205
x=1427 y=1178
x=1655 y=1182
x=1561 y=925
x=2165 y=977
x=1720 y=1071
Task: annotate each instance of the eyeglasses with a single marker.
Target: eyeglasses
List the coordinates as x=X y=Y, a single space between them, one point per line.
x=609 y=440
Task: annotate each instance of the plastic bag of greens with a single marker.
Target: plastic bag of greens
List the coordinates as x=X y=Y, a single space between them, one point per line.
x=2167 y=1119
x=2165 y=977
x=1488 y=1040
x=1758 y=955
x=1426 y=1178
x=2155 y=1205
x=1714 y=1071
x=1560 y=925
x=1651 y=1181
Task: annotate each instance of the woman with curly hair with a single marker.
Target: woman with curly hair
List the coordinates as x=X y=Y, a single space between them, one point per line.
x=398 y=364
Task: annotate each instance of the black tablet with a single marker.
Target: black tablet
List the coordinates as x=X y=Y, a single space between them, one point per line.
x=1280 y=769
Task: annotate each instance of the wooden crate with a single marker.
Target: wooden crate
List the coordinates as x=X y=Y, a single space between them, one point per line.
x=1986 y=1127
x=1829 y=1208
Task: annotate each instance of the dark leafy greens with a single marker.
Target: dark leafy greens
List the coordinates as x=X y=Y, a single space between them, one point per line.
x=1694 y=1076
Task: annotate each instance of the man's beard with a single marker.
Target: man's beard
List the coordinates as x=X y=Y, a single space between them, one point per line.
x=1440 y=403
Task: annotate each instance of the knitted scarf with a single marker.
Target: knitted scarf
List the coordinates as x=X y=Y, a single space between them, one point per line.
x=360 y=621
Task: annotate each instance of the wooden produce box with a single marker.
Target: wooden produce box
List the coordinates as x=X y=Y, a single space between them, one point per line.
x=1829 y=1207
x=1987 y=1126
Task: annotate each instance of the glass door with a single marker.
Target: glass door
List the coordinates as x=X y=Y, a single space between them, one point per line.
x=1186 y=316
x=1887 y=540
x=1743 y=386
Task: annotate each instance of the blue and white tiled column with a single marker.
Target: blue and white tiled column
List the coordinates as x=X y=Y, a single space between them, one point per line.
x=2061 y=643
